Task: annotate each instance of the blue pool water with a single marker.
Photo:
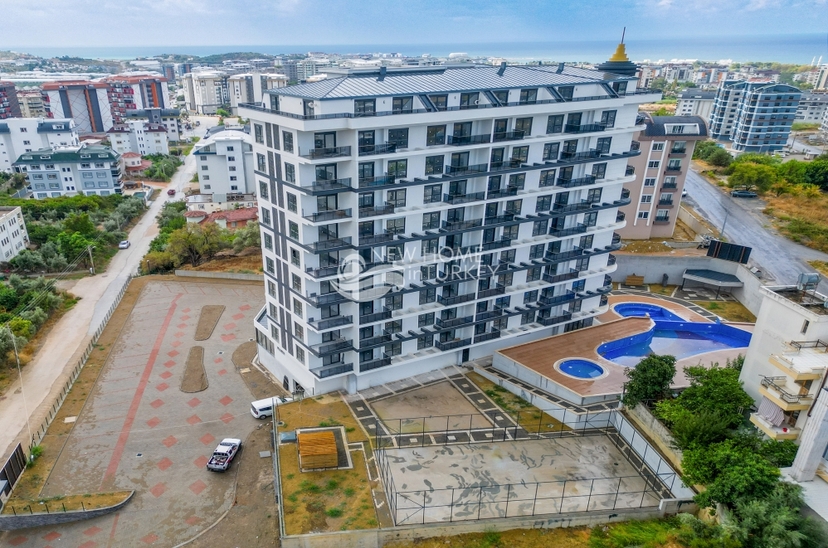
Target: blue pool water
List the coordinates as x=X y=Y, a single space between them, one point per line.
x=643 y=309
x=583 y=369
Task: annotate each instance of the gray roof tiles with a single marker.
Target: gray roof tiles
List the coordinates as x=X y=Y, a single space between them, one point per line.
x=655 y=125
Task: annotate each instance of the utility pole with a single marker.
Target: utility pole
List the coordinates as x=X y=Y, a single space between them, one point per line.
x=724 y=224
x=89 y=248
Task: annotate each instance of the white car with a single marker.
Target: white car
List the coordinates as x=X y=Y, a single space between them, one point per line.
x=124 y=245
x=683 y=192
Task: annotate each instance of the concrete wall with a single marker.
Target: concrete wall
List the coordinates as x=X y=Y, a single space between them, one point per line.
x=651 y=427
x=692 y=221
x=220 y=275
x=24 y=521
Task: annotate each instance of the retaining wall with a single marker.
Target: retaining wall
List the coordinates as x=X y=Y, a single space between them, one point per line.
x=644 y=421
x=220 y=275
x=695 y=224
x=24 y=521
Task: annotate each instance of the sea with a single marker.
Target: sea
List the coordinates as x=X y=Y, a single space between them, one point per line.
x=789 y=48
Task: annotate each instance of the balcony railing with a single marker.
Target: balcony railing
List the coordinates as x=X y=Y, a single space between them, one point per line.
x=329 y=185
x=506 y=165
x=459 y=140
x=374 y=341
x=462 y=225
x=671 y=186
x=586 y=155
x=376 y=238
x=330 y=152
x=557 y=299
x=673 y=170
x=571 y=231
x=331 y=370
x=580 y=181
x=497 y=244
x=327 y=298
x=464 y=198
x=467 y=169
x=375 y=364
x=501 y=136
x=665 y=203
x=333 y=243
x=499 y=289
x=630 y=171
x=368 y=150
x=661 y=220
x=616 y=238
x=489 y=314
x=635 y=145
x=682 y=150
x=611 y=259
x=384 y=314
x=323 y=272
x=564 y=255
x=456 y=299
x=498 y=219
x=372 y=182
x=782 y=393
x=451 y=345
x=584 y=128
x=330 y=323
x=556 y=278
x=335 y=346
x=486 y=336
x=569 y=208
x=386 y=209
x=454 y=322
x=502 y=193
x=555 y=320
x=620 y=216
x=331 y=215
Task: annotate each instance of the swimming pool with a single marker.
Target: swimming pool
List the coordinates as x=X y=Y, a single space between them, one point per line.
x=643 y=309
x=674 y=338
x=583 y=369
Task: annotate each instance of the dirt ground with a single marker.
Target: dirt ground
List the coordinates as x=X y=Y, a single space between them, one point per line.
x=207 y=321
x=195 y=377
x=441 y=405
x=576 y=537
x=246 y=262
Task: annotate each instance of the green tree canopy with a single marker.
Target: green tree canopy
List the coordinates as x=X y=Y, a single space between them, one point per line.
x=649 y=380
x=195 y=243
x=816 y=173
x=719 y=157
x=752 y=176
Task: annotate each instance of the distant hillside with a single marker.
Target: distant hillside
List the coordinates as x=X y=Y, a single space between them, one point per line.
x=215 y=59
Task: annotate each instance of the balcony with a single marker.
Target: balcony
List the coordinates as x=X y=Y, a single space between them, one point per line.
x=796 y=371
x=467 y=169
x=330 y=185
x=462 y=225
x=502 y=193
x=499 y=219
x=323 y=272
x=584 y=128
x=564 y=255
x=375 y=211
x=375 y=182
x=456 y=299
x=491 y=335
x=625 y=194
x=454 y=322
x=557 y=299
x=333 y=347
x=669 y=186
x=447 y=251
x=665 y=203
x=464 y=198
x=555 y=320
x=452 y=345
x=497 y=244
x=501 y=136
x=571 y=231
x=333 y=243
x=557 y=278
x=580 y=181
x=785 y=396
x=586 y=155
x=661 y=221
x=330 y=152
x=620 y=216
x=499 y=289
x=330 y=323
x=679 y=152
x=783 y=432
x=375 y=239
x=630 y=171
x=616 y=238
x=331 y=370
x=374 y=341
x=384 y=314
x=368 y=150
x=330 y=215
x=506 y=165
x=326 y=299
x=375 y=364
x=489 y=314
x=611 y=259
x=672 y=170
x=635 y=145
x=460 y=140
x=572 y=208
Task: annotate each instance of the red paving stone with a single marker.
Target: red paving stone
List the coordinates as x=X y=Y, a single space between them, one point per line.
x=149 y=539
x=237 y=317
x=244 y=307
x=228 y=337
x=169 y=363
x=192 y=520
x=165 y=375
x=194 y=402
x=186 y=310
x=158 y=489
x=16 y=541
x=207 y=439
x=156 y=404
x=227 y=417
x=173 y=353
x=198 y=486
x=161 y=387
x=178 y=334
x=176 y=344
x=92 y=531
x=51 y=536
x=218 y=360
x=201 y=462
x=169 y=441
x=164 y=463
x=226 y=400
x=181 y=325
x=229 y=326
x=184 y=318
x=195 y=419
x=153 y=422
x=88 y=544
x=222 y=373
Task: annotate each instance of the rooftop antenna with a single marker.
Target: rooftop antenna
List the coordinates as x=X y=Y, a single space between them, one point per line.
x=502 y=68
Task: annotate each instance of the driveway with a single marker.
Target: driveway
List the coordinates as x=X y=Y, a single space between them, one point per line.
x=778 y=257
x=139 y=431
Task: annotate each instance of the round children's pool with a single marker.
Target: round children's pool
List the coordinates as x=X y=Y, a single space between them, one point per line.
x=582 y=369
x=645 y=309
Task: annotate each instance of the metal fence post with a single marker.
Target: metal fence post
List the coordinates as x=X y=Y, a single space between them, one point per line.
x=479 y=501
x=508 y=492
x=451 y=508
x=424 y=506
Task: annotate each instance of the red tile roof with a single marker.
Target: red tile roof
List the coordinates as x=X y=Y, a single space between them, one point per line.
x=243 y=215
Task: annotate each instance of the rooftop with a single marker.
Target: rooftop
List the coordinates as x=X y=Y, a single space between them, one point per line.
x=660 y=126
x=68 y=154
x=697 y=94
x=72 y=84
x=811 y=301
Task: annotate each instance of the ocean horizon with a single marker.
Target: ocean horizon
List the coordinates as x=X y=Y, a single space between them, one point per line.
x=794 y=48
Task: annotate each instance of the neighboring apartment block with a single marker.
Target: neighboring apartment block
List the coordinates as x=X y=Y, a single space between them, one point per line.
x=666 y=144
x=250 y=88
x=139 y=137
x=136 y=91
x=31 y=103
x=205 y=91
x=21 y=135
x=416 y=218
x=85 y=102
x=812 y=108
x=694 y=102
x=225 y=164
x=68 y=171
x=9 y=105
x=755 y=116
x=170 y=118
x=13 y=235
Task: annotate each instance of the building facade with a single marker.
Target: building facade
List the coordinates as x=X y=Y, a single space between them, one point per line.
x=129 y=92
x=9 y=105
x=225 y=164
x=140 y=137
x=666 y=144
x=69 y=171
x=754 y=115
x=205 y=91
x=812 y=108
x=170 y=118
x=694 y=102
x=250 y=88
x=13 y=235
x=85 y=102
x=21 y=135
x=31 y=103
x=416 y=218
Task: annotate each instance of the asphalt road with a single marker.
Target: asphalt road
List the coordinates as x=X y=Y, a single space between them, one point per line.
x=780 y=260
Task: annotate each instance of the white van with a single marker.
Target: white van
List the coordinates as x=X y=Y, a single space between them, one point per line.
x=262 y=409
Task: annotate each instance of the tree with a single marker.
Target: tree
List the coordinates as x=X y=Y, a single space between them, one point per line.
x=719 y=157
x=776 y=521
x=28 y=261
x=792 y=172
x=649 y=380
x=79 y=223
x=698 y=430
x=750 y=176
x=816 y=173
x=194 y=243
x=72 y=245
x=223 y=113
x=247 y=236
x=704 y=149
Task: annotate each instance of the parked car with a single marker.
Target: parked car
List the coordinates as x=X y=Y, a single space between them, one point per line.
x=683 y=192
x=171 y=192
x=261 y=409
x=744 y=194
x=224 y=454
x=124 y=245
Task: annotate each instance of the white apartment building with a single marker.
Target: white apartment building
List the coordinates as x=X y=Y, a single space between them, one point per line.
x=136 y=91
x=415 y=218
x=13 y=235
x=225 y=164
x=21 y=135
x=139 y=137
x=694 y=102
x=87 y=103
x=68 y=171
x=205 y=91
x=812 y=108
x=170 y=118
x=250 y=88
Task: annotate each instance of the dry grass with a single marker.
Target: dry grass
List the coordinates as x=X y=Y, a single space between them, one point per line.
x=195 y=377
x=68 y=503
x=729 y=310
x=244 y=354
x=663 y=290
x=241 y=264
x=821 y=266
x=527 y=415
x=803 y=220
x=321 y=411
x=574 y=537
x=207 y=321
x=683 y=233
x=645 y=246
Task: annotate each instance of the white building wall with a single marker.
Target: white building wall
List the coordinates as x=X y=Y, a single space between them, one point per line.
x=13 y=235
x=23 y=136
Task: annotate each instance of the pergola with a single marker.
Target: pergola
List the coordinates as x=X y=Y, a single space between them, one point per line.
x=711 y=278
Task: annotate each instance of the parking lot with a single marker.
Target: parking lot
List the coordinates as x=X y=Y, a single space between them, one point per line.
x=139 y=431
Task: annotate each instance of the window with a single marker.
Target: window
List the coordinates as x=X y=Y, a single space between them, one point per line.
x=261 y=162
x=435 y=135
x=517 y=180
x=674 y=164
x=513 y=206
x=396 y=198
x=550 y=151
x=432 y=193
x=269 y=265
x=599 y=171
x=677 y=130
x=265 y=216
x=428 y=295
x=662 y=215
x=293 y=230
x=603 y=145
x=398 y=168
x=658 y=147
x=536 y=251
x=291 y=202
x=268 y=241
x=205 y=168
x=520 y=154
x=395 y=226
x=232 y=168
x=502 y=96
x=426 y=341
x=287 y=141
x=425 y=320
x=300 y=354
x=650 y=181
x=530 y=296
x=290 y=173
x=365 y=107
x=528 y=96
x=646 y=198
x=258 y=133
x=524 y=125
x=544 y=203
x=400 y=105
x=805 y=326
x=533 y=274
x=566 y=92
x=608 y=118
x=428 y=272
x=233 y=178
x=297 y=307
x=434 y=165
x=431 y=221
x=554 y=124
x=547 y=177
x=653 y=164
x=398 y=137
x=395 y=302
x=231 y=158
x=469 y=100
x=440 y=102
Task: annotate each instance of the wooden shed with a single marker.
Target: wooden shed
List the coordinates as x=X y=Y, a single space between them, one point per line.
x=317 y=450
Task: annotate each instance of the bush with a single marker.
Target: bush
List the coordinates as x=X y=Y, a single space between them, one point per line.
x=776 y=521
x=649 y=380
x=698 y=430
x=719 y=157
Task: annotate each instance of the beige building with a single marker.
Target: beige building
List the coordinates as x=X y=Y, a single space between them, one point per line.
x=666 y=145
x=31 y=103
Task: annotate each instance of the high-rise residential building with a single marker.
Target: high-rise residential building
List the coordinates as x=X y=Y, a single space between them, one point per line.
x=416 y=218
x=136 y=91
x=225 y=164
x=168 y=70
x=13 y=235
x=140 y=137
x=9 y=105
x=812 y=108
x=205 y=91
x=85 y=102
x=754 y=115
x=69 y=171
x=666 y=144
x=31 y=103
x=170 y=118
x=21 y=135
x=250 y=88
x=695 y=102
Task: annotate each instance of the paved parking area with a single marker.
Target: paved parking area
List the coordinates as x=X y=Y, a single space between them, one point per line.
x=139 y=431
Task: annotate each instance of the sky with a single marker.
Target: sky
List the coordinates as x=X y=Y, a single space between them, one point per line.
x=93 y=23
